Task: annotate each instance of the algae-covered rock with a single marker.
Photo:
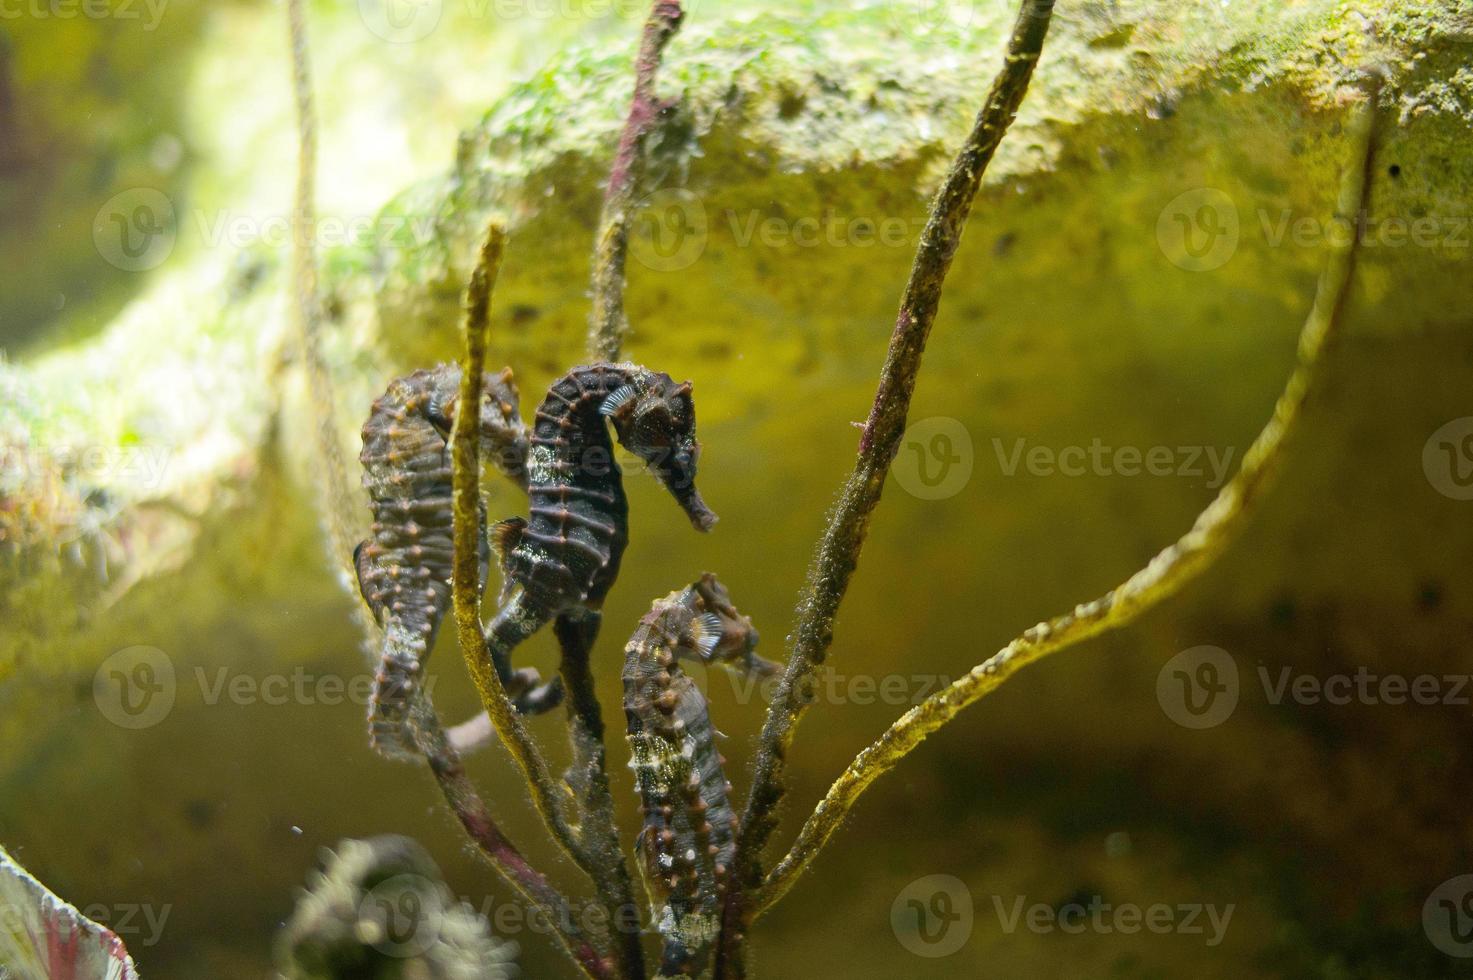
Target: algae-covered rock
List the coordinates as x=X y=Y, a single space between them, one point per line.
x=1119 y=320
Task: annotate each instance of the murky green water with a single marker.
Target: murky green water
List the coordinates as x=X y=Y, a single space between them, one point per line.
x=1091 y=394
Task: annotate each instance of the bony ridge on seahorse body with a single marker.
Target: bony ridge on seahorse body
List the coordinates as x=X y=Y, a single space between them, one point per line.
x=687 y=840
x=565 y=556
x=404 y=569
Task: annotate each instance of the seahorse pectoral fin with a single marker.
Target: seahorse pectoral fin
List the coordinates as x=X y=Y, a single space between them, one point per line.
x=706 y=631
x=506 y=535
x=618 y=399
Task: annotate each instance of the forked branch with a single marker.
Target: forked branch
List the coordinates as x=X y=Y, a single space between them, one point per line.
x=1164 y=576
x=838 y=551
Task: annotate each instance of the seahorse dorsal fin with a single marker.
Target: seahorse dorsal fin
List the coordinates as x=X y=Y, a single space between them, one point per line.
x=363 y=565
x=505 y=535
x=617 y=398
x=706 y=632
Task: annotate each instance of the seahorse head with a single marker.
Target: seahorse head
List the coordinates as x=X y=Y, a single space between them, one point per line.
x=655 y=419
x=723 y=635
x=503 y=435
x=700 y=623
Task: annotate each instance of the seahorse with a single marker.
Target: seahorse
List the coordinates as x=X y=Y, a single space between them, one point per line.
x=566 y=556
x=404 y=569
x=686 y=844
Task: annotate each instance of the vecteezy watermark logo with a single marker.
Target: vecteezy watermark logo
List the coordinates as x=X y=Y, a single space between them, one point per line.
x=79 y=476
x=1446 y=232
x=1198 y=688
x=122 y=10
x=135 y=687
x=828 y=230
x=668 y=230
x=224 y=228
x=932 y=916
x=142 y=465
x=828 y=686
x=1447 y=917
x=1447 y=459
x=1095 y=915
x=918 y=18
x=935 y=459
x=401 y=916
x=135 y=229
x=567 y=10
x=1098 y=459
x=140 y=926
x=1198 y=230
x=1364 y=687
x=400 y=21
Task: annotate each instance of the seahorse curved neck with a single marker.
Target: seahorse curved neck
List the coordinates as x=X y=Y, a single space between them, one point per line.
x=570 y=430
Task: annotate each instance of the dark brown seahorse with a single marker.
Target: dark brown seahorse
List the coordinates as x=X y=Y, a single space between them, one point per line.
x=404 y=569
x=688 y=838
x=565 y=557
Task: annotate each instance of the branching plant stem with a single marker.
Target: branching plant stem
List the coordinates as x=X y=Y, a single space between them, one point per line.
x=838 y=550
x=1163 y=577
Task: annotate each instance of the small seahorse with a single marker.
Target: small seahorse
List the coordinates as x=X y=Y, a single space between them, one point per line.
x=404 y=570
x=567 y=555
x=688 y=837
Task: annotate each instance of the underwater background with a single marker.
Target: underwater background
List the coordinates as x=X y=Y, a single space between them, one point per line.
x=1120 y=319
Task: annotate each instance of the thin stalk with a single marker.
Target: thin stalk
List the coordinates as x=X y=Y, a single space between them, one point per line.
x=608 y=323
x=466 y=586
x=1163 y=576
x=838 y=550
x=335 y=491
